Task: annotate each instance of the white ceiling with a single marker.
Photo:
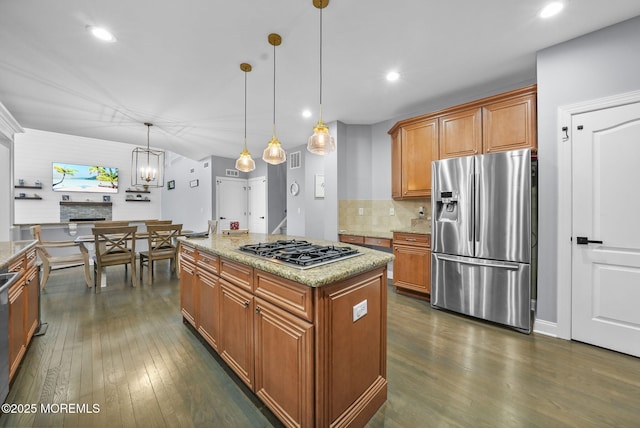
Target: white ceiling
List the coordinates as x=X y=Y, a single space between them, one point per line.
x=176 y=63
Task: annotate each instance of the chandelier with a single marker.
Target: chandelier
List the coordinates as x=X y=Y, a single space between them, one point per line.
x=147 y=166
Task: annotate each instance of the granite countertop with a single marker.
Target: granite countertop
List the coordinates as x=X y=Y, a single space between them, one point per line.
x=9 y=250
x=368 y=234
x=227 y=246
x=421 y=229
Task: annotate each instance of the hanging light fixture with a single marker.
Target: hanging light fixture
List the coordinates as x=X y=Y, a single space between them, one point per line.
x=274 y=153
x=244 y=162
x=147 y=166
x=321 y=142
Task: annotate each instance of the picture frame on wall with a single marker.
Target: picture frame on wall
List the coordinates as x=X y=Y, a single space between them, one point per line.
x=65 y=197
x=106 y=198
x=194 y=183
x=171 y=184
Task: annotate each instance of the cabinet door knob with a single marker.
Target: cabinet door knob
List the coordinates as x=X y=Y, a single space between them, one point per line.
x=246 y=303
x=258 y=309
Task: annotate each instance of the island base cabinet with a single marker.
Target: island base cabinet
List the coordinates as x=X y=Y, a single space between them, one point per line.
x=351 y=353
x=17 y=344
x=236 y=335
x=208 y=308
x=284 y=364
x=188 y=292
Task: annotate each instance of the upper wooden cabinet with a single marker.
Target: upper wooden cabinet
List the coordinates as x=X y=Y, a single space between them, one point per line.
x=414 y=145
x=461 y=133
x=498 y=123
x=510 y=124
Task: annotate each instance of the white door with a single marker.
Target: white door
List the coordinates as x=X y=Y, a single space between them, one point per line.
x=258 y=205
x=606 y=207
x=231 y=202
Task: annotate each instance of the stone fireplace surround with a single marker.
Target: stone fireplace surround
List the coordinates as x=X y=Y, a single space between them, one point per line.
x=85 y=211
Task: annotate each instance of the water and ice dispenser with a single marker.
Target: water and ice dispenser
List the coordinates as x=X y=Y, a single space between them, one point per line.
x=447 y=207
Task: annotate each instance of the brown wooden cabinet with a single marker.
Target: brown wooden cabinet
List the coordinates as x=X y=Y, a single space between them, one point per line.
x=293 y=344
x=412 y=265
x=23 y=307
x=498 y=123
x=413 y=146
x=510 y=124
x=460 y=133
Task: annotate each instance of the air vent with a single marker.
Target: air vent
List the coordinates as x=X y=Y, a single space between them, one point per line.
x=294 y=160
x=232 y=173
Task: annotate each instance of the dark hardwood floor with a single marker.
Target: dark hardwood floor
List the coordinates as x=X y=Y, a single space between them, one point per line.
x=128 y=352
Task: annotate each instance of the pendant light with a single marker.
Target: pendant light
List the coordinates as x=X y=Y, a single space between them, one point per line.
x=274 y=153
x=147 y=166
x=244 y=162
x=321 y=142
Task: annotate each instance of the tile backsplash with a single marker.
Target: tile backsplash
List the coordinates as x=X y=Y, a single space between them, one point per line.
x=358 y=215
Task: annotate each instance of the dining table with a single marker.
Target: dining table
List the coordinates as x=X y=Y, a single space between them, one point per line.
x=88 y=243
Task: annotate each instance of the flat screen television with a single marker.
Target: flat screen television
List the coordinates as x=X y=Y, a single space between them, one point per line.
x=68 y=177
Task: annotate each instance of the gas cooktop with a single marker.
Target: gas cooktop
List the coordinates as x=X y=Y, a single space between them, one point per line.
x=300 y=254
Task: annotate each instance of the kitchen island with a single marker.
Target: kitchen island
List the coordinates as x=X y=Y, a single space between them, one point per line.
x=310 y=343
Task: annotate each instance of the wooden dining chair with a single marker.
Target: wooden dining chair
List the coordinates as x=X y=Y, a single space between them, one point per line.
x=60 y=255
x=114 y=246
x=162 y=245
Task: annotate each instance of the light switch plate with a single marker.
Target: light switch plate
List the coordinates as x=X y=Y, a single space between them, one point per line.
x=359 y=310
x=360 y=211
x=392 y=211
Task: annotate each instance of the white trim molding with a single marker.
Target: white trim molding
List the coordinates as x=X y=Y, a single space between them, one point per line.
x=8 y=124
x=565 y=173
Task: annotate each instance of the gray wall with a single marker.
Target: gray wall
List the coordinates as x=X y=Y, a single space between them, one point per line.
x=276 y=192
x=6 y=189
x=600 y=64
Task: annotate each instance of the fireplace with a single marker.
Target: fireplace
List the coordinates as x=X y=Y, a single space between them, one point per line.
x=85 y=211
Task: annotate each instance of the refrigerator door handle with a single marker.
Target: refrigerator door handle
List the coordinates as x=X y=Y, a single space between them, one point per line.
x=471 y=207
x=502 y=265
x=476 y=206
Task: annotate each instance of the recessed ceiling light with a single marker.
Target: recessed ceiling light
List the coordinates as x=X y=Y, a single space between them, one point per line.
x=306 y=113
x=101 y=33
x=392 y=76
x=551 y=9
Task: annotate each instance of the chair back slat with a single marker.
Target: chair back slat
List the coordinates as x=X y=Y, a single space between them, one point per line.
x=163 y=236
x=114 y=240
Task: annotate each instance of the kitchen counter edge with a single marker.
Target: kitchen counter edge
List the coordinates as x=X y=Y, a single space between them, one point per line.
x=10 y=250
x=227 y=247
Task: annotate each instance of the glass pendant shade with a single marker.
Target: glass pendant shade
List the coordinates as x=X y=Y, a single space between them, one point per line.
x=245 y=163
x=274 y=153
x=321 y=142
x=147 y=166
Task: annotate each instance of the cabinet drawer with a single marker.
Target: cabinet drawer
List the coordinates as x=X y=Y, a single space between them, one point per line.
x=416 y=239
x=17 y=265
x=353 y=239
x=288 y=295
x=188 y=253
x=237 y=274
x=208 y=262
x=32 y=260
x=377 y=242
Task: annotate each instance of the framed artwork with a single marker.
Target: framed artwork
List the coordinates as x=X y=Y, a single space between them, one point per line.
x=194 y=183
x=106 y=198
x=319 y=187
x=65 y=197
x=171 y=184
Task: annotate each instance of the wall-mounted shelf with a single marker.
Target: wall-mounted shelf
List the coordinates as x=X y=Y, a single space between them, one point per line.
x=86 y=203
x=28 y=187
x=27 y=197
x=137 y=191
x=138 y=200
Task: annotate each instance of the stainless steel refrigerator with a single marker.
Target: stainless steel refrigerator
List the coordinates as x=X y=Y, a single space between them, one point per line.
x=481 y=237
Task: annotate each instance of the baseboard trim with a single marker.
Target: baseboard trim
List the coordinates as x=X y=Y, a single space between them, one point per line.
x=547 y=328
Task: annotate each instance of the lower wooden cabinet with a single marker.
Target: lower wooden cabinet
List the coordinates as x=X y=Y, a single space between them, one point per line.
x=412 y=265
x=23 y=307
x=236 y=336
x=291 y=343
